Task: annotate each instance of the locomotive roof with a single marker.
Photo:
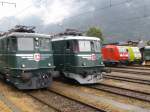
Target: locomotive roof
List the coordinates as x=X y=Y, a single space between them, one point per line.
x=20 y=34
x=74 y=38
x=147 y=47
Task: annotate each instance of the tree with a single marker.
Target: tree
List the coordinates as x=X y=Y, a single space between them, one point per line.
x=148 y=43
x=95 y=32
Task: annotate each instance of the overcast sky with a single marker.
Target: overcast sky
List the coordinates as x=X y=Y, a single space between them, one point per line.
x=120 y=20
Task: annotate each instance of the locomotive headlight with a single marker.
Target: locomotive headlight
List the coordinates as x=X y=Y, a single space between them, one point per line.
x=37 y=43
x=49 y=64
x=83 y=64
x=36 y=39
x=23 y=65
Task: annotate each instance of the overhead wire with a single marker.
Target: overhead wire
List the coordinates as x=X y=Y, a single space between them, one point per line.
x=110 y=5
x=11 y=3
x=130 y=19
x=25 y=9
x=113 y=5
x=145 y=15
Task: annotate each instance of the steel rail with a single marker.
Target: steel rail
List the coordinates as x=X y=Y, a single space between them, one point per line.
x=41 y=101
x=123 y=92
x=92 y=97
x=127 y=70
x=76 y=101
x=135 y=80
x=134 y=67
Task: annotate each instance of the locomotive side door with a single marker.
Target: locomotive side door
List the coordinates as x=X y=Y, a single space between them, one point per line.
x=67 y=55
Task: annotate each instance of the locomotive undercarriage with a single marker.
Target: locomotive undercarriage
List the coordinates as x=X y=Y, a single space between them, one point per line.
x=87 y=75
x=35 y=79
x=146 y=62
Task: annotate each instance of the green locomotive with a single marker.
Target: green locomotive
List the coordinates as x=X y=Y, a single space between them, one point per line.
x=26 y=60
x=145 y=51
x=78 y=57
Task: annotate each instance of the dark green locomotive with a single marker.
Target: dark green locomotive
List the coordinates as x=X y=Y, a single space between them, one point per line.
x=78 y=58
x=26 y=60
x=145 y=51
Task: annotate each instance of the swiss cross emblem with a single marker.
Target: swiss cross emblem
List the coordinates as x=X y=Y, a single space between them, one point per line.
x=37 y=57
x=93 y=57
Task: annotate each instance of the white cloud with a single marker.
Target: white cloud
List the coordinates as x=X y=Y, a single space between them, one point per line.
x=58 y=11
x=10 y=10
x=128 y=4
x=50 y=11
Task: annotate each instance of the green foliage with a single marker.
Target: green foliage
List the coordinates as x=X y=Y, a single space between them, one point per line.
x=95 y=32
x=148 y=42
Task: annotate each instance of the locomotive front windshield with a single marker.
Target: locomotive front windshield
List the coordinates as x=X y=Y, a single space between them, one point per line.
x=122 y=50
x=84 y=46
x=25 y=44
x=147 y=54
x=88 y=46
x=44 y=44
x=28 y=44
x=136 y=50
x=95 y=46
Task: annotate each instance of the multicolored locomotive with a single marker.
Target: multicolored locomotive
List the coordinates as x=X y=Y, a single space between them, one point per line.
x=78 y=57
x=114 y=54
x=26 y=60
x=118 y=54
x=134 y=55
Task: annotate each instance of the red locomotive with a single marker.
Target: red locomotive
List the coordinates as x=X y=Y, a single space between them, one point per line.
x=113 y=54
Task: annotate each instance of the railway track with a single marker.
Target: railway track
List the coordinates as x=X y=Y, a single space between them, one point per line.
x=44 y=103
x=104 y=87
x=101 y=99
x=107 y=96
x=7 y=106
x=134 y=67
x=127 y=79
x=127 y=85
x=123 y=92
x=19 y=101
x=60 y=103
x=139 y=67
x=144 y=79
x=129 y=70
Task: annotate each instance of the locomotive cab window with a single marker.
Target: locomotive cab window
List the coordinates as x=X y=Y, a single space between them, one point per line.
x=147 y=53
x=84 y=46
x=92 y=46
x=25 y=44
x=122 y=50
x=136 y=50
x=72 y=46
x=95 y=46
x=75 y=46
x=44 y=44
x=98 y=46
